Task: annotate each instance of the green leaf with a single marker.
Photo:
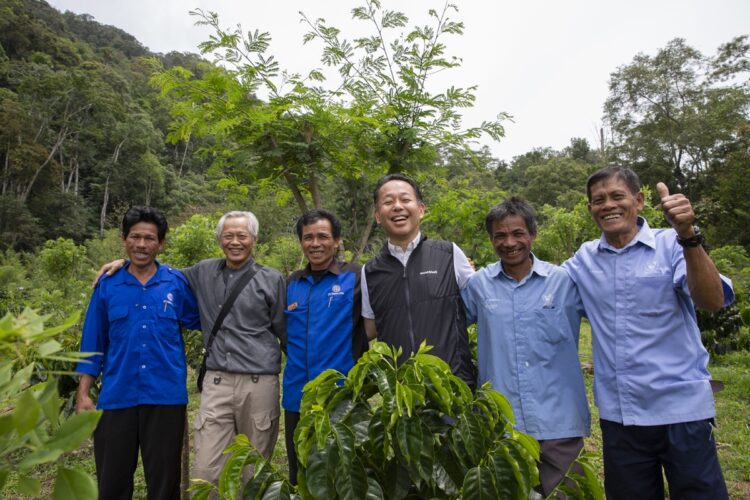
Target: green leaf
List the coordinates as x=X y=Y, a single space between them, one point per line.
x=72 y=484
x=4 y=473
x=507 y=477
x=74 y=431
x=409 y=439
x=200 y=489
x=346 y=442
x=351 y=481
x=48 y=348
x=479 y=485
x=278 y=490
x=318 y=478
x=230 y=479
x=40 y=456
x=29 y=486
x=27 y=412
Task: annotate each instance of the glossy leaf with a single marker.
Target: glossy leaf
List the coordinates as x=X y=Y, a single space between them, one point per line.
x=479 y=485
x=73 y=484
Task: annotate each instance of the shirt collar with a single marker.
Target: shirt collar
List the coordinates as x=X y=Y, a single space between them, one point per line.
x=334 y=268
x=395 y=249
x=223 y=265
x=123 y=277
x=537 y=267
x=645 y=236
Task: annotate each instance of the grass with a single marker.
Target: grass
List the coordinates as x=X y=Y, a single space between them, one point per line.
x=732 y=435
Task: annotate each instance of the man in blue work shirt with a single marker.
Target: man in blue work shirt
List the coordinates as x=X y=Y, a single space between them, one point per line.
x=651 y=383
x=528 y=314
x=134 y=323
x=325 y=328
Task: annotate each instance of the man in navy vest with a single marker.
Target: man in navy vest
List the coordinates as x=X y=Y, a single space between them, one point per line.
x=411 y=289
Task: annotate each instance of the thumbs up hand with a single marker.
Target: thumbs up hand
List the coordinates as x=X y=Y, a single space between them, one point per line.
x=678 y=211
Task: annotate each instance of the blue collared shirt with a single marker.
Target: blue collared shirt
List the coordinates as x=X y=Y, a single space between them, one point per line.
x=527 y=335
x=137 y=330
x=650 y=367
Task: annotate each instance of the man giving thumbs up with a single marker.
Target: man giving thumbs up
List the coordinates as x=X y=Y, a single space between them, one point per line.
x=639 y=287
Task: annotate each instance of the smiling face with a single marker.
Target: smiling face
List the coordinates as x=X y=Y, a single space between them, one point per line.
x=318 y=244
x=399 y=212
x=142 y=244
x=236 y=241
x=615 y=210
x=512 y=241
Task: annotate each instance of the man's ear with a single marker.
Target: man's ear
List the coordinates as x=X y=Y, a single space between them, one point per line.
x=640 y=200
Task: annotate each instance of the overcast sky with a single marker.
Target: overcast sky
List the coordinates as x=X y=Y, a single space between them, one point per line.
x=547 y=63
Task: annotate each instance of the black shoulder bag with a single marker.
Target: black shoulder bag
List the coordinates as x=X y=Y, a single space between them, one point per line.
x=225 y=307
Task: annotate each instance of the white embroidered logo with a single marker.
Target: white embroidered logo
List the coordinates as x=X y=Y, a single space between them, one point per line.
x=548 y=301
x=169 y=301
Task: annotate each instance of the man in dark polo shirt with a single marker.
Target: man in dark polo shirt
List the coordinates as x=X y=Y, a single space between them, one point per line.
x=324 y=322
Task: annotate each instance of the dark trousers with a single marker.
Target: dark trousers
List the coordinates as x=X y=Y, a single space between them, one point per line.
x=635 y=455
x=557 y=456
x=158 y=431
x=291 y=419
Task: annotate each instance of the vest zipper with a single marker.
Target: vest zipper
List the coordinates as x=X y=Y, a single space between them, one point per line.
x=408 y=312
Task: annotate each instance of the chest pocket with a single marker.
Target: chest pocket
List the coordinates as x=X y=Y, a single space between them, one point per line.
x=660 y=286
x=551 y=323
x=117 y=317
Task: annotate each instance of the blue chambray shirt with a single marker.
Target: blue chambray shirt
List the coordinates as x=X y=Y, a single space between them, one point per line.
x=137 y=328
x=650 y=367
x=528 y=346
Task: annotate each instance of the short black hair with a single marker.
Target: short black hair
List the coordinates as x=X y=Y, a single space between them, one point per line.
x=135 y=215
x=396 y=177
x=512 y=206
x=625 y=174
x=315 y=215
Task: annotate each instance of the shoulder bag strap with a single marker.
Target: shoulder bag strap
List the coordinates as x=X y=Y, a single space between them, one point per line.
x=225 y=307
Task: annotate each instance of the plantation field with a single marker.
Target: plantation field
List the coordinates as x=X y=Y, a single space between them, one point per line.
x=733 y=420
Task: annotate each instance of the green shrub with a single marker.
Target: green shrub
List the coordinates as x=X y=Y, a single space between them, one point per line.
x=33 y=430
x=412 y=430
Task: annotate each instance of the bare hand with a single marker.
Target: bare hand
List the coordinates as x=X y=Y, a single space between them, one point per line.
x=678 y=211
x=84 y=403
x=109 y=268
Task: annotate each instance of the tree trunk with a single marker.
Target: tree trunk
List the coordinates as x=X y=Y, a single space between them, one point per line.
x=301 y=203
x=315 y=190
x=58 y=142
x=103 y=213
x=365 y=237
x=184 y=154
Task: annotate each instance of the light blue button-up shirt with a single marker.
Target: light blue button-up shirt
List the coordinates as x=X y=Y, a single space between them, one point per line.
x=650 y=367
x=527 y=336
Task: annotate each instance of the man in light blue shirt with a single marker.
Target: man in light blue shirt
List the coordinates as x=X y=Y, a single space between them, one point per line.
x=528 y=314
x=651 y=383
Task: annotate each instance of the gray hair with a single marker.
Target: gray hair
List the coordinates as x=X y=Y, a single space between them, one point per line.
x=252 y=222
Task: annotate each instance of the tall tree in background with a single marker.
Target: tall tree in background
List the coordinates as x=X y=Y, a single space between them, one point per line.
x=675 y=114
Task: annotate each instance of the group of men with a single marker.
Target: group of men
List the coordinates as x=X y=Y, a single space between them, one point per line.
x=636 y=285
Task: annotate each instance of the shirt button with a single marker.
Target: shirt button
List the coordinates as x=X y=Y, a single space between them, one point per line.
x=143 y=366
x=144 y=345
x=136 y=305
x=144 y=288
x=527 y=364
x=144 y=307
x=144 y=327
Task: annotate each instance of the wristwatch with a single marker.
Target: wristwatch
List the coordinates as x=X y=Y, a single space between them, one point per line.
x=695 y=240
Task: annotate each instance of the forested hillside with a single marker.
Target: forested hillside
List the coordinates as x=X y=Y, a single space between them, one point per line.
x=93 y=123
x=83 y=130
